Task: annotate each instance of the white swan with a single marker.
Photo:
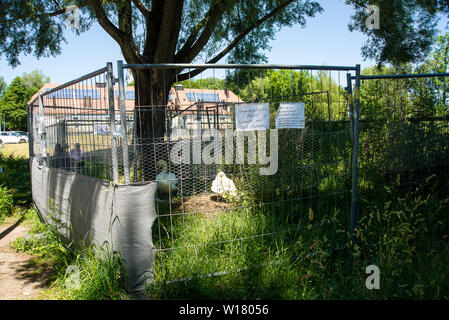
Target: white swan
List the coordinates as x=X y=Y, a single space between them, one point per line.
x=223 y=185
x=166 y=181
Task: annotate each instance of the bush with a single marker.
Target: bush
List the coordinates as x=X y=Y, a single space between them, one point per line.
x=6 y=202
x=16 y=177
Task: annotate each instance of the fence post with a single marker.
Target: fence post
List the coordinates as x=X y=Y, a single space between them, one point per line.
x=42 y=131
x=351 y=106
x=355 y=156
x=110 y=80
x=30 y=131
x=122 y=105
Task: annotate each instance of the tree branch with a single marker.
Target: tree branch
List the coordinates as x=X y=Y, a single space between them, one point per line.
x=163 y=31
x=145 y=12
x=191 y=49
x=49 y=14
x=193 y=35
x=236 y=40
x=358 y=3
x=57 y=3
x=119 y=36
x=169 y=30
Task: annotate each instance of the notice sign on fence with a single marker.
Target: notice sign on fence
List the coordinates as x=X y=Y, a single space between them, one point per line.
x=103 y=129
x=290 y=115
x=252 y=116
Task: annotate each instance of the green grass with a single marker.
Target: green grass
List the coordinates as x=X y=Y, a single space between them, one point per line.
x=402 y=230
x=15 y=184
x=100 y=276
x=18 y=150
x=16 y=177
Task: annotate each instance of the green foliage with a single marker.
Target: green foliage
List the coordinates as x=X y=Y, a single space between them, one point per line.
x=3 y=87
x=32 y=27
x=44 y=240
x=399 y=99
x=27 y=27
x=319 y=92
x=16 y=177
x=101 y=272
x=13 y=104
x=206 y=83
x=101 y=276
x=207 y=31
x=407 y=29
x=435 y=91
x=6 y=202
x=34 y=80
x=404 y=232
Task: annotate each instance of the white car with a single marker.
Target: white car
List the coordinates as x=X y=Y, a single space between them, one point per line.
x=12 y=137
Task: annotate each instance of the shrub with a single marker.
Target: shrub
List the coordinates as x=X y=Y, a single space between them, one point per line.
x=6 y=202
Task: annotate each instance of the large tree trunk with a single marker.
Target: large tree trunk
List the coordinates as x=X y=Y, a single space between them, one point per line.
x=152 y=88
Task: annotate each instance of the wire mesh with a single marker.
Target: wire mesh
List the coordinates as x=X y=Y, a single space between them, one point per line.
x=70 y=126
x=404 y=129
x=177 y=125
x=202 y=230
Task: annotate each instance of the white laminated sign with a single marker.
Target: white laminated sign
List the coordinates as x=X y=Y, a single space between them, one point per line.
x=252 y=116
x=290 y=116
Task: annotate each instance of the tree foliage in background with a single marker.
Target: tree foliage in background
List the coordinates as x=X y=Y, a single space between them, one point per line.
x=184 y=31
x=13 y=104
x=407 y=29
x=35 y=79
x=438 y=62
x=299 y=86
x=206 y=83
x=419 y=97
x=3 y=86
x=14 y=98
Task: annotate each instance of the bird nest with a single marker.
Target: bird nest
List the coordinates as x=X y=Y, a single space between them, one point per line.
x=209 y=205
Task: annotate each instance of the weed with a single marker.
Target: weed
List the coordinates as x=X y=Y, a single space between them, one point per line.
x=6 y=202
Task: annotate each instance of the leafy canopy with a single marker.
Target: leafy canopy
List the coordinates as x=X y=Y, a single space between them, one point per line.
x=14 y=99
x=35 y=79
x=152 y=31
x=407 y=28
x=420 y=97
x=3 y=86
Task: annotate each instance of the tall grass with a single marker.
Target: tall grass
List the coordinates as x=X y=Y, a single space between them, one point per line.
x=6 y=203
x=402 y=230
x=100 y=273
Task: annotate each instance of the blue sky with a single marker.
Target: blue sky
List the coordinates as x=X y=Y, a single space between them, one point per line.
x=324 y=40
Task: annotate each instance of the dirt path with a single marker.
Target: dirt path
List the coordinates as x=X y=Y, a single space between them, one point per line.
x=20 y=277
